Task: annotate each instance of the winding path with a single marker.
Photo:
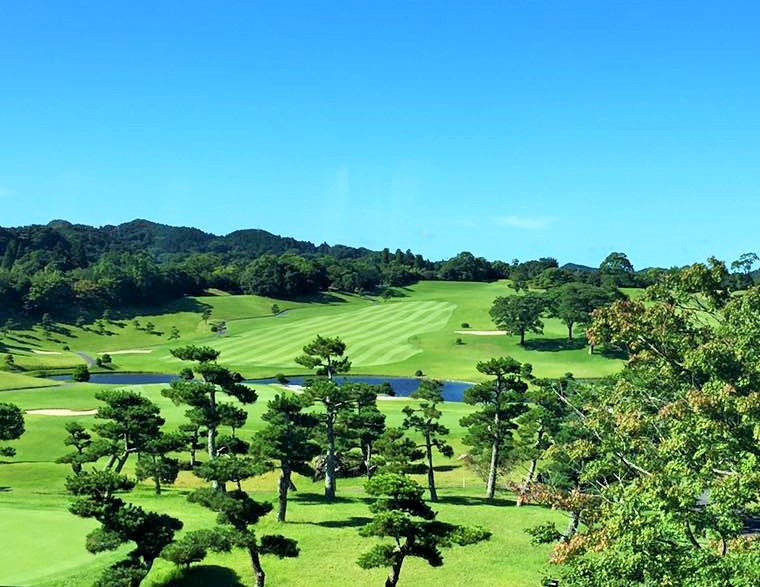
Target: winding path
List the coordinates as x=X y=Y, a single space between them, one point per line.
x=87 y=358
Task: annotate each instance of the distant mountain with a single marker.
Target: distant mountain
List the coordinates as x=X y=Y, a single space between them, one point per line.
x=577 y=267
x=83 y=242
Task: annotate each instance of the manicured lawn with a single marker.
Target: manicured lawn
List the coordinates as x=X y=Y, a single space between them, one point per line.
x=33 y=511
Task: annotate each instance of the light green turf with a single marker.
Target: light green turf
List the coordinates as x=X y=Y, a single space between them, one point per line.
x=394 y=337
x=21 y=381
x=48 y=543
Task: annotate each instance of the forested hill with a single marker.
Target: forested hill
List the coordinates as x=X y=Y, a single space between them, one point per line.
x=77 y=245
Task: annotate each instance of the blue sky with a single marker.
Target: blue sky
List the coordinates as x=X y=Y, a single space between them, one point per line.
x=510 y=129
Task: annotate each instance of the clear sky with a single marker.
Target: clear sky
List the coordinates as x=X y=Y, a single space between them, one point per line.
x=509 y=129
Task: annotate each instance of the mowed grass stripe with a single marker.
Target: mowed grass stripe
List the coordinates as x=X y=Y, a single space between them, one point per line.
x=393 y=324
x=385 y=345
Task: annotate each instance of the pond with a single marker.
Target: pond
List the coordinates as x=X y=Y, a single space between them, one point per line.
x=453 y=391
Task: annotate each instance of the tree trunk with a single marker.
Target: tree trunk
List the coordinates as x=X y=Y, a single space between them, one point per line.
x=211 y=441
x=157 y=482
x=522 y=337
x=283 y=487
x=121 y=461
x=393 y=576
x=572 y=527
x=330 y=458
x=258 y=572
x=533 y=466
x=590 y=349
x=368 y=460
x=111 y=461
x=430 y=471
x=570 y=331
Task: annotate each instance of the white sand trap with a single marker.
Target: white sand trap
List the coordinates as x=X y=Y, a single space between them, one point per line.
x=127 y=352
x=36 y=352
x=62 y=412
x=394 y=398
x=483 y=332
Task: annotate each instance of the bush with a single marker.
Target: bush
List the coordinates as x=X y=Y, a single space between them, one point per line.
x=459 y=341
x=66 y=347
x=419 y=373
x=81 y=373
x=106 y=359
x=281 y=379
x=465 y=324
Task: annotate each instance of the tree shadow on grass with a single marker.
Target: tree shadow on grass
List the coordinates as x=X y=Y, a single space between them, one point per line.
x=206 y=576
x=499 y=502
x=320 y=499
x=554 y=345
x=352 y=522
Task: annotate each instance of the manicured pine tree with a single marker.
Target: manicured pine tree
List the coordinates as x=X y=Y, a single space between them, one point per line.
x=395 y=452
x=237 y=513
x=201 y=394
x=132 y=420
x=154 y=462
x=401 y=515
x=286 y=443
x=96 y=496
x=425 y=420
x=86 y=449
x=326 y=357
x=501 y=400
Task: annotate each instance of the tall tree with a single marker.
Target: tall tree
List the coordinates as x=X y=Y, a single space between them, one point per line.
x=501 y=400
x=573 y=303
x=237 y=512
x=132 y=420
x=287 y=440
x=86 y=449
x=154 y=460
x=519 y=314
x=334 y=399
x=360 y=426
x=425 y=420
x=396 y=452
x=201 y=394
x=401 y=515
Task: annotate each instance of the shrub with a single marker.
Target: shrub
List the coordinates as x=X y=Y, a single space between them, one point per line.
x=459 y=341
x=81 y=373
x=419 y=373
x=66 y=347
x=281 y=379
x=465 y=324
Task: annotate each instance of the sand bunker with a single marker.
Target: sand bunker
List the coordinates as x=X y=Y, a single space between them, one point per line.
x=127 y=352
x=36 y=352
x=62 y=412
x=483 y=332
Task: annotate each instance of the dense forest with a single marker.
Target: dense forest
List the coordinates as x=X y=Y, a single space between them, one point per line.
x=66 y=269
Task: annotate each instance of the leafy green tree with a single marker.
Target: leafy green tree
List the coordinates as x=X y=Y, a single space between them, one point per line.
x=206 y=314
x=359 y=427
x=11 y=426
x=96 y=496
x=286 y=443
x=237 y=512
x=425 y=420
x=81 y=373
x=573 y=303
x=9 y=362
x=191 y=433
x=401 y=515
x=519 y=314
x=149 y=327
x=674 y=440
x=325 y=356
x=501 y=400
x=275 y=309
x=617 y=270
x=201 y=394
x=174 y=333
x=132 y=422
x=396 y=452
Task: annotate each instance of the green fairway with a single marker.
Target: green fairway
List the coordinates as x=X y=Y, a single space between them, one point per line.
x=33 y=510
x=21 y=381
x=384 y=337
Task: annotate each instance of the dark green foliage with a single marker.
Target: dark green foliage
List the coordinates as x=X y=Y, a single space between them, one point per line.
x=96 y=496
x=11 y=426
x=154 y=462
x=133 y=423
x=490 y=429
x=401 y=515
x=519 y=314
x=396 y=452
x=573 y=303
x=81 y=373
x=425 y=421
x=286 y=443
x=325 y=356
x=86 y=450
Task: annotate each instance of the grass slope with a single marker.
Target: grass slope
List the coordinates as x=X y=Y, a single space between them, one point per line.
x=33 y=510
x=393 y=337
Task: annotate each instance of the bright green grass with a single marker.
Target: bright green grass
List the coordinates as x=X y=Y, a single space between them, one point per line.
x=395 y=337
x=21 y=381
x=33 y=510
